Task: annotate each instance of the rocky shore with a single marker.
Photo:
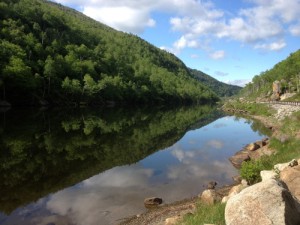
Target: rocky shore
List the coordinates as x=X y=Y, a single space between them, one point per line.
x=275 y=200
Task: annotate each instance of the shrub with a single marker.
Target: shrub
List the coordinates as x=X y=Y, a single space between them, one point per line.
x=250 y=171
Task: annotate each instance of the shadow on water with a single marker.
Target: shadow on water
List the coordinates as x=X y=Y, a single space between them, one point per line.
x=45 y=151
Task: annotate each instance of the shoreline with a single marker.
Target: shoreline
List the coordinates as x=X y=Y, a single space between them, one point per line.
x=178 y=209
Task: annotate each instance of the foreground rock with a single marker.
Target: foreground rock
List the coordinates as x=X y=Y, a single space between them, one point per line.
x=265 y=203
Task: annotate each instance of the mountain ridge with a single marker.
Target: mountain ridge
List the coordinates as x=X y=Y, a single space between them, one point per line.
x=54 y=54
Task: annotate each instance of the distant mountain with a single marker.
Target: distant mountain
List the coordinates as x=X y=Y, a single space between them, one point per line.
x=51 y=53
x=220 y=88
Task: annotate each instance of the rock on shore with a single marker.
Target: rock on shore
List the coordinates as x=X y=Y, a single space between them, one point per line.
x=270 y=202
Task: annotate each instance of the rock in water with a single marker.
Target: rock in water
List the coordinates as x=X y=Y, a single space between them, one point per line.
x=153 y=201
x=239 y=158
x=211 y=185
x=252 y=147
x=265 y=203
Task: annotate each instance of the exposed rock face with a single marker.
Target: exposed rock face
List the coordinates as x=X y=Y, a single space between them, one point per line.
x=291 y=177
x=265 y=203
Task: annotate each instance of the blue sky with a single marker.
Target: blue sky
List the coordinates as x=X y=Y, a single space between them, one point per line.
x=231 y=40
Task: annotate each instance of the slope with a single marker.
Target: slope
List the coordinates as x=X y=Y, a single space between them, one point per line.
x=220 y=88
x=51 y=53
x=286 y=72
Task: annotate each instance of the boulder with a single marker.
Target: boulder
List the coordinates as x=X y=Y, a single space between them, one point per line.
x=239 y=158
x=268 y=174
x=265 y=203
x=233 y=191
x=152 y=201
x=291 y=177
x=210 y=196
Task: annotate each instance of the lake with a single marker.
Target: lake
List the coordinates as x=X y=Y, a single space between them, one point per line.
x=96 y=166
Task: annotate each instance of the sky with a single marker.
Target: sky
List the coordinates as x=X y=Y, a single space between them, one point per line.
x=231 y=40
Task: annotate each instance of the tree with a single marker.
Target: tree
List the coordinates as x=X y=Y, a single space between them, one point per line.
x=49 y=71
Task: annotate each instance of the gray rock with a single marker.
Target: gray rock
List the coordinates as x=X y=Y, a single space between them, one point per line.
x=265 y=203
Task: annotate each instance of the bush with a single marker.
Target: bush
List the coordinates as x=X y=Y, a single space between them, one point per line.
x=250 y=171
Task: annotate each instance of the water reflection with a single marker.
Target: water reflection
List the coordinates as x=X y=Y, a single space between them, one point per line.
x=67 y=150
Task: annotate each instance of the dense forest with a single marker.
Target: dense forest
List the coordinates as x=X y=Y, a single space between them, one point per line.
x=286 y=72
x=220 y=88
x=53 y=54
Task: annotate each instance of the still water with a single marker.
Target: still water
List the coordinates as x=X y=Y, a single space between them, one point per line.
x=88 y=167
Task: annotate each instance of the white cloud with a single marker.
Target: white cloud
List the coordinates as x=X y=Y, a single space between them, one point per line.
x=184 y=42
x=238 y=82
x=221 y=74
x=217 y=55
x=274 y=46
x=199 y=21
x=194 y=56
x=122 y=18
x=295 y=30
x=217 y=144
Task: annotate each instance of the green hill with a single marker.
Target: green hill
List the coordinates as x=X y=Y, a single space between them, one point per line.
x=220 y=88
x=286 y=72
x=54 y=53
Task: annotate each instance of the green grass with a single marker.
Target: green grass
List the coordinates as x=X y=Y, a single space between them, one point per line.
x=210 y=214
x=251 y=108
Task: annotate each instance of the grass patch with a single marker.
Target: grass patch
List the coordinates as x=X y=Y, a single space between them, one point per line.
x=211 y=214
x=251 y=108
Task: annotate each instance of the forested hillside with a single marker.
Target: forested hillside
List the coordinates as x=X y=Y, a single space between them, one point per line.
x=220 y=88
x=286 y=73
x=50 y=53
